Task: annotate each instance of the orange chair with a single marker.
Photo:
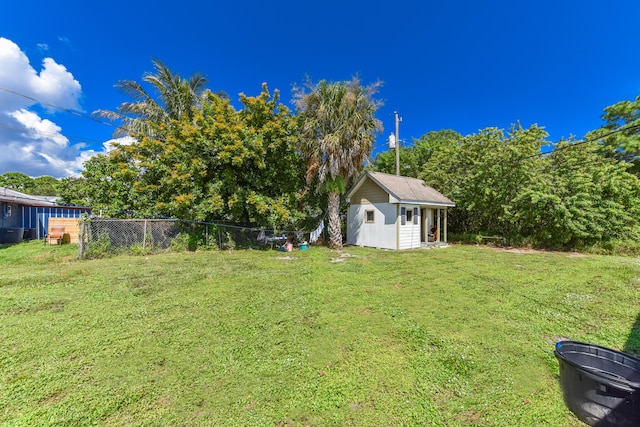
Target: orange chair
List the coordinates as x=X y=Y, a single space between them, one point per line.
x=57 y=234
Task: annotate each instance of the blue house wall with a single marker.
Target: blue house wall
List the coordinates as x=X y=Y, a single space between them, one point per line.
x=31 y=213
x=16 y=215
x=38 y=217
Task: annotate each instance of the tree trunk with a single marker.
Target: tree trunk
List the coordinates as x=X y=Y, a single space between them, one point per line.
x=335 y=231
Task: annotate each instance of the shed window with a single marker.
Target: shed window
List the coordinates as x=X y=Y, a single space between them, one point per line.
x=409 y=215
x=370 y=216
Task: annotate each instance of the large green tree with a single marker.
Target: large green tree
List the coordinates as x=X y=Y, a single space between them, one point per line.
x=619 y=137
x=337 y=132
x=17 y=181
x=219 y=164
x=239 y=166
x=40 y=186
x=45 y=186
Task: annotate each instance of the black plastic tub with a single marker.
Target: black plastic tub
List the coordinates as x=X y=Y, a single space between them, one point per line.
x=11 y=235
x=601 y=386
x=29 y=234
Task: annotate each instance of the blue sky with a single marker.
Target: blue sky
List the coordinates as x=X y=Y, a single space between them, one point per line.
x=461 y=65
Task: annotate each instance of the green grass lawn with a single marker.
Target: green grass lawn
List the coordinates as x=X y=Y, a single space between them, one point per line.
x=462 y=336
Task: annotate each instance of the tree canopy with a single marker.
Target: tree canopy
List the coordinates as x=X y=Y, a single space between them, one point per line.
x=216 y=164
x=40 y=186
x=619 y=137
x=175 y=98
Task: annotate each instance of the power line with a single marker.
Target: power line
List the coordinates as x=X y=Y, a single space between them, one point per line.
x=49 y=134
x=585 y=141
x=66 y=110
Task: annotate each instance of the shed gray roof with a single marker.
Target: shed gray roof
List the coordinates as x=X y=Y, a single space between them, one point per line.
x=404 y=189
x=12 y=196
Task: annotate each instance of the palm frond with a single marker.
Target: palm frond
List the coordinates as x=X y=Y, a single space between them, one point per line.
x=175 y=100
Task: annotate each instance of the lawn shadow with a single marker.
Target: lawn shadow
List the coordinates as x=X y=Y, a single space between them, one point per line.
x=632 y=346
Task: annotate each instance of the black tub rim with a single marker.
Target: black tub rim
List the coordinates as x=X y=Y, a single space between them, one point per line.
x=600 y=375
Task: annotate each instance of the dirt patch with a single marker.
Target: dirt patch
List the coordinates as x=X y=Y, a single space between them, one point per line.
x=576 y=255
x=533 y=251
x=55 y=398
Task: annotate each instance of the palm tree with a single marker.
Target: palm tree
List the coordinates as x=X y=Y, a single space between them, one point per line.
x=176 y=98
x=337 y=133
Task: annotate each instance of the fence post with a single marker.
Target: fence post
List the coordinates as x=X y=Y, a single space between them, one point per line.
x=81 y=239
x=144 y=235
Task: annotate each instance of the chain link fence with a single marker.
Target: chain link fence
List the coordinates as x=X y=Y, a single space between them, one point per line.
x=119 y=234
x=100 y=237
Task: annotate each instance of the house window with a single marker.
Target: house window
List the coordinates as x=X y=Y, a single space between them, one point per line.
x=370 y=216
x=409 y=216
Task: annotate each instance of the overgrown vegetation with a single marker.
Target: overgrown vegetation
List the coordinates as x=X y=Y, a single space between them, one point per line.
x=461 y=336
x=570 y=198
x=99 y=247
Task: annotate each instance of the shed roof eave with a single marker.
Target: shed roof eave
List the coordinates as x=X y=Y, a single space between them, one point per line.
x=423 y=203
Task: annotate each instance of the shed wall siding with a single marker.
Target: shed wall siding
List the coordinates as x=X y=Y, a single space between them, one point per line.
x=369 y=193
x=379 y=234
x=410 y=232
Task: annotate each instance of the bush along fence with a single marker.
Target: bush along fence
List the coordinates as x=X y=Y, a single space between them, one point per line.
x=101 y=237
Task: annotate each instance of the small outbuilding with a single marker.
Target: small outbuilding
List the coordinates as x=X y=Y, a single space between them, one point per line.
x=395 y=212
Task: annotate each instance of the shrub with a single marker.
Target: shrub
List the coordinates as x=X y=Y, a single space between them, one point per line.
x=614 y=247
x=98 y=248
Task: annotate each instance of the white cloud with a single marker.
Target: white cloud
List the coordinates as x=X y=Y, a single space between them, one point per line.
x=57 y=86
x=113 y=143
x=29 y=143
x=65 y=40
x=40 y=129
x=36 y=147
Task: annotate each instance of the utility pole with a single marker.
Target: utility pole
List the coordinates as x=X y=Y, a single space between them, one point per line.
x=398 y=120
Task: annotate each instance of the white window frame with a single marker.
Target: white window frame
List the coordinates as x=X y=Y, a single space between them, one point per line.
x=373 y=216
